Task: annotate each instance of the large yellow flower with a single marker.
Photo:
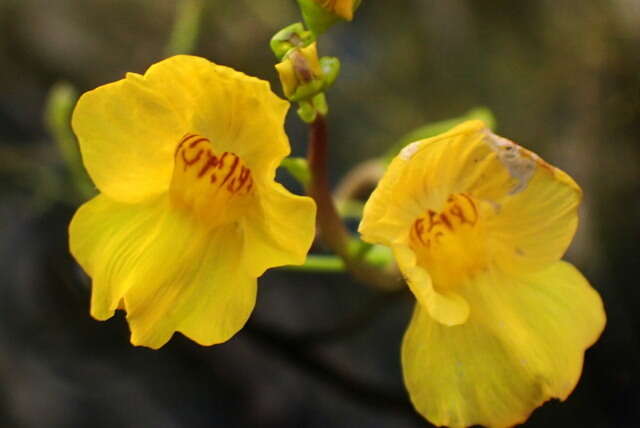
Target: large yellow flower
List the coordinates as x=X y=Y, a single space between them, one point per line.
x=478 y=225
x=189 y=213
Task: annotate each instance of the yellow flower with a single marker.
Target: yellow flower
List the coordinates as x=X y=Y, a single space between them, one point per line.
x=478 y=225
x=189 y=213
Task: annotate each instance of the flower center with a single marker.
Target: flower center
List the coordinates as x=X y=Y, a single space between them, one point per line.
x=214 y=187
x=450 y=243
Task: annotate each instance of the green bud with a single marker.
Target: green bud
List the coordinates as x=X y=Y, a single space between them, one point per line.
x=306 y=111
x=320 y=104
x=298 y=168
x=330 y=68
x=319 y=15
x=290 y=37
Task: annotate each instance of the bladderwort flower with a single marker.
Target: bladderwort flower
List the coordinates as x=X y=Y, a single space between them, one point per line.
x=478 y=225
x=189 y=214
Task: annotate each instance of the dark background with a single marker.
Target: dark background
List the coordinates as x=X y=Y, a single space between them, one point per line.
x=562 y=78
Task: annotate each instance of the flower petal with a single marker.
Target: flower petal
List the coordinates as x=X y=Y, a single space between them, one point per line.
x=238 y=113
x=528 y=206
x=279 y=231
x=127 y=134
x=201 y=289
x=109 y=239
x=534 y=228
x=447 y=307
x=173 y=274
x=426 y=173
x=128 y=130
x=523 y=344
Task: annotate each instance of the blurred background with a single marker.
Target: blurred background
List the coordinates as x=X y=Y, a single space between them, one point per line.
x=561 y=78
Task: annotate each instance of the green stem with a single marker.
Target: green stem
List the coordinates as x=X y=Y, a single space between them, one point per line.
x=62 y=98
x=186 y=28
x=319 y=263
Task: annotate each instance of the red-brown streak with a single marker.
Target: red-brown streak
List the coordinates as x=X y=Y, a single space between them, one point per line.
x=196 y=142
x=189 y=162
x=245 y=174
x=230 y=185
x=456 y=211
x=432 y=224
x=184 y=140
x=232 y=169
x=418 y=227
x=222 y=158
x=212 y=161
x=473 y=206
x=213 y=178
x=446 y=221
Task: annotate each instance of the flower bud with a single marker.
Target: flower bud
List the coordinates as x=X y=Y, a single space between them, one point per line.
x=319 y=15
x=291 y=37
x=300 y=73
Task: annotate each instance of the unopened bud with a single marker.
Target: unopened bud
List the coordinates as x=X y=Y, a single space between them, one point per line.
x=291 y=37
x=321 y=14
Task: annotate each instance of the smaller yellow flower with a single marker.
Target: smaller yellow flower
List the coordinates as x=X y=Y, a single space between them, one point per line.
x=189 y=214
x=343 y=8
x=478 y=225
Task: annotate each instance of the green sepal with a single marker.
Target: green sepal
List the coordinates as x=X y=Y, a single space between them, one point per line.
x=330 y=68
x=317 y=18
x=290 y=37
x=320 y=104
x=306 y=111
x=298 y=168
x=308 y=90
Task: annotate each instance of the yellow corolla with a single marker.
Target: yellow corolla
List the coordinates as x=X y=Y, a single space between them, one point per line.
x=478 y=225
x=189 y=213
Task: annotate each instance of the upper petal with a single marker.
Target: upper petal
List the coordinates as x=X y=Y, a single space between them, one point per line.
x=426 y=173
x=127 y=134
x=533 y=228
x=237 y=112
x=529 y=208
x=279 y=230
x=523 y=344
x=128 y=130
